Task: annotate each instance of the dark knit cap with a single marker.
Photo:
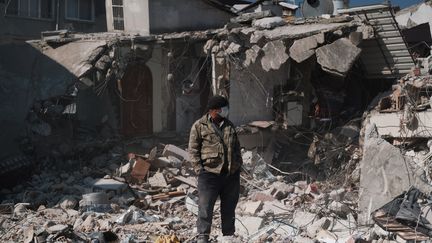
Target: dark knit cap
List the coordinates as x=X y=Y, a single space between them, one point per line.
x=217 y=102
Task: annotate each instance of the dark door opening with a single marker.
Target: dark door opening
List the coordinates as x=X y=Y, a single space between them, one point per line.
x=137 y=101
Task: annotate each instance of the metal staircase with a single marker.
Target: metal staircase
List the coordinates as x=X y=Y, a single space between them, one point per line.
x=387 y=55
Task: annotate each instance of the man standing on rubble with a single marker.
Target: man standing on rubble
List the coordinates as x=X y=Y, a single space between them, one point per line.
x=215 y=153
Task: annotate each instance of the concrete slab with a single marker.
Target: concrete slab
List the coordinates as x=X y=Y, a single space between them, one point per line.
x=251 y=207
x=299 y=31
x=276 y=207
x=321 y=224
x=303 y=219
x=385 y=174
x=268 y=23
x=246 y=226
x=304 y=48
x=171 y=150
x=248 y=17
x=158 y=180
x=338 y=57
x=76 y=56
x=388 y=124
x=110 y=185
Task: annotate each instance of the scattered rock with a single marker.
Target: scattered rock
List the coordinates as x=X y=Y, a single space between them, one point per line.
x=233 y=48
x=338 y=195
x=268 y=23
x=57 y=228
x=251 y=207
x=248 y=17
x=339 y=208
x=20 y=209
x=321 y=224
x=252 y=55
x=303 y=219
x=274 y=55
x=68 y=202
x=246 y=226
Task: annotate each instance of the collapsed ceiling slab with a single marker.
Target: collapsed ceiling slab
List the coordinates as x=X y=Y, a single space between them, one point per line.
x=338 y=57
x=77 y=56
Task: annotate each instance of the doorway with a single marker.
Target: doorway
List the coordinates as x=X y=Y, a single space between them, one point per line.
x=137 y=101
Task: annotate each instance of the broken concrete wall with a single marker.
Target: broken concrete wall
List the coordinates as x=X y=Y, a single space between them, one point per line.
x=158 y=64
x=268 y=76
x=97 y=114
x=385 y=173
x=251 y=92
x=26 y=76
x=186 y=84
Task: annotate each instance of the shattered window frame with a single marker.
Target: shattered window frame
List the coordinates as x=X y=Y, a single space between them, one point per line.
x=15 y=9
x=78 y=15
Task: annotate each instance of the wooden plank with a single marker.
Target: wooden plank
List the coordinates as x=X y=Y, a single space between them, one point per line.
x=167 y=195
x=390 y=224
x=189 y=181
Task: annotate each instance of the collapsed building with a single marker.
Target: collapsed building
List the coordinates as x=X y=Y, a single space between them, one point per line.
x=298 y=90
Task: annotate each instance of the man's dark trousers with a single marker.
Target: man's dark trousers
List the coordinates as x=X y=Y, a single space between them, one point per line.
x=210 y=186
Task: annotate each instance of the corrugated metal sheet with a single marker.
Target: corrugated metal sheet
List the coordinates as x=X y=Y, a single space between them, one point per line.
x=387 y=55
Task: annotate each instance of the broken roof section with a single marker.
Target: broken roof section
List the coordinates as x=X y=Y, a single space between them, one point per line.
x=77 y=56
x=254 y=34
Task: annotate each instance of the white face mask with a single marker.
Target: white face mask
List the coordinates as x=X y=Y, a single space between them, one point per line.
x=224 y=112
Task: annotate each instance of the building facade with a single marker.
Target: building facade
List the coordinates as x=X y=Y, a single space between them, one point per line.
x=26 y=19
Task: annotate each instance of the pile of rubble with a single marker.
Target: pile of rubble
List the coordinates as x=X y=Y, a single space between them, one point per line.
x=154 y=196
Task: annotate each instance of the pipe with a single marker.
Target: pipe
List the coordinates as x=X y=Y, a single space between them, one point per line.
x=57 y=15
